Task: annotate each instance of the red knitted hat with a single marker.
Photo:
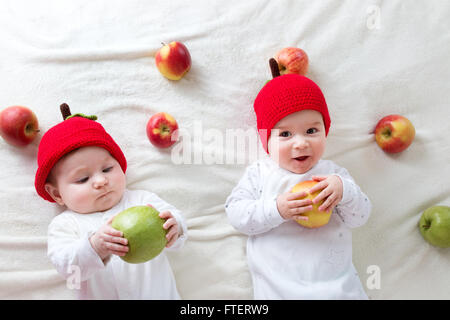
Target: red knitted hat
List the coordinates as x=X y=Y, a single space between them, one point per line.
x=284 y=95
x=75 y=132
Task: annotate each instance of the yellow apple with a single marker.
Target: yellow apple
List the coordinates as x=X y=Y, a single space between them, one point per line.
x=394 y=133
x=173 y=60
x=316 y=218
x=162 y=130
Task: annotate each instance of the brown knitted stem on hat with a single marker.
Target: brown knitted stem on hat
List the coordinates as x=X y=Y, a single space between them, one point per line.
x=274 y=68
x=65 y=110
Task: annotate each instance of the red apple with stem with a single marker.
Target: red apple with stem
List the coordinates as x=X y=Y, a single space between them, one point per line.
x=292 y=60
x=394 y=133
x=18 y=125
x=162 y=130
x=173 y=60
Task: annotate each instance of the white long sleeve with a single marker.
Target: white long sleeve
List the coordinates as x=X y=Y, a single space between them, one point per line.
x=355 y=206
x=246 y=210
x=68 y=248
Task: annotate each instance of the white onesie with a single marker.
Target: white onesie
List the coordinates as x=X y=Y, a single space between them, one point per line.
x=286 y=260
x=72 y=255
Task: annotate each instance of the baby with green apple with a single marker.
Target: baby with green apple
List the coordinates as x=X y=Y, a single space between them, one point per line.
x=82 y=168
x=286 y=259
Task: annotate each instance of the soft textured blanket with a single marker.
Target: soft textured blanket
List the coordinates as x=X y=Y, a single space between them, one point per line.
x=371 y=59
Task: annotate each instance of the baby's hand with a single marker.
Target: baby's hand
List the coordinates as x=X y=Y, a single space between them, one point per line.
x=290 y=208
x=171 y=225
x=332 y=191
x=107 y=241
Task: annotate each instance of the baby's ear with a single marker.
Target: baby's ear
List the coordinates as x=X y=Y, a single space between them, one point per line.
x=53 y=191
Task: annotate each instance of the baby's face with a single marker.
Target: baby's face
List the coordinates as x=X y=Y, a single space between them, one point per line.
x=87 y=180
x=297 y=142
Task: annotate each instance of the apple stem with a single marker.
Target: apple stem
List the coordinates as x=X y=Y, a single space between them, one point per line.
x=163 y=43
x=65 y=110
x=387 y=133
x=274 y=68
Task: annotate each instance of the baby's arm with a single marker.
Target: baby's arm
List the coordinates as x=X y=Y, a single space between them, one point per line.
x=246 y=210
x=341 y=192
x=69 y=252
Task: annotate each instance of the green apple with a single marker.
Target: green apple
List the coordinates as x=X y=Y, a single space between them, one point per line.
x=435 y=226
x=143 y=228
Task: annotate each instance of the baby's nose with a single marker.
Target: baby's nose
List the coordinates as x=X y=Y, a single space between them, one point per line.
x=100 y=180
x=300 y=142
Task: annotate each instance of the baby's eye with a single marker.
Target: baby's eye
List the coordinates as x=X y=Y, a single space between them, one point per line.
x=107 y=169
x=82 y=180
x=285 y=134
x=311 y=130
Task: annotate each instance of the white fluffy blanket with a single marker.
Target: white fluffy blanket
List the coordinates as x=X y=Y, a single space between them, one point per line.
x=371 y=58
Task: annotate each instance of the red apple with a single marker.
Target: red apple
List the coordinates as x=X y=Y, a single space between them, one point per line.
x=292 y=60
x=18 y=125
x=162 y=130
x=173 y=60
x=394 y=133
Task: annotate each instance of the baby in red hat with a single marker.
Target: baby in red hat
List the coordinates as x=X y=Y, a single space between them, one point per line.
x=82 y=168
x=287 y=260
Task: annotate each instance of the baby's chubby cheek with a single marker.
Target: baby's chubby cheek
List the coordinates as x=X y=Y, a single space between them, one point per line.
x=79 y=202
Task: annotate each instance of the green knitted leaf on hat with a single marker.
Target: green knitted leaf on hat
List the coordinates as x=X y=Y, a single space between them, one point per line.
x=93 y=117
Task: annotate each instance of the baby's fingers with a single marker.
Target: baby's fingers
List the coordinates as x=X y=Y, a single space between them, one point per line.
x=118 y=253
x=165 y=215
x=169 y=223
x=109 y=221
x=171 y=236
x=296 y=195
x=111 y=235
x=322 y=195
x=112 y=232
x=329 y=204
x=113 y=247
x=300 y=210
x=319 y=186
x=299 y=203
x=304 y=218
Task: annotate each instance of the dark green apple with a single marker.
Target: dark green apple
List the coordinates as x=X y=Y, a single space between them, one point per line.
x=435 y=226
x=143 y=228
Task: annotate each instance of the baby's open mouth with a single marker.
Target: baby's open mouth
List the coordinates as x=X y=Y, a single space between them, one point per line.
x=302 y=158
